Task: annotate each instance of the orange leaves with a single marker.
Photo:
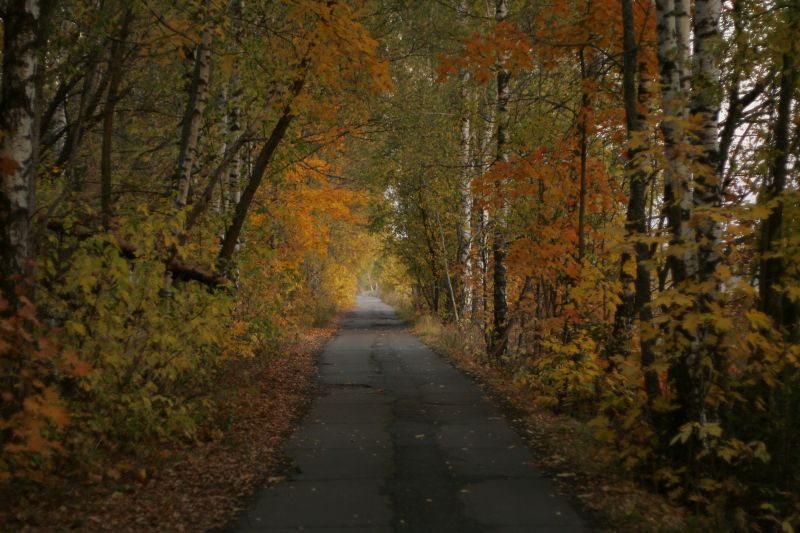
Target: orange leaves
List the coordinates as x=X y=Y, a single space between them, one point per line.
x=302 y=209
x=30 y=366
x=8 y=166
x=307 y=244
x=340 y=47
x=481 y=53
x=45 y=405
x=74 y=366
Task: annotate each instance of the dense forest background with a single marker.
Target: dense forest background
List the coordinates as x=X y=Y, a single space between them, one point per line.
x=599 y=198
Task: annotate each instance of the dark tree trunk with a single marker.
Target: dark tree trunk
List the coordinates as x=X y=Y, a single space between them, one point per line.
x=636 y=302
x=115 y=65
x=499 y=244
x=773 y=300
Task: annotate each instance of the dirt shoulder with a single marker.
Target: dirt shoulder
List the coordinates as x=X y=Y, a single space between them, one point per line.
x=200 y=487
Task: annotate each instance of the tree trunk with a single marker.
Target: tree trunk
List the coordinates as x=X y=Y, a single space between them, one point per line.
x=465 y=223
x=482 y=162
x=673 y=55
x=91 y=94
x=447 y=270
x=705 y=108
x=773 y=299
x=499 y=244
x=636 y=302
x=56 y=126
x=19 y=142
x=583 y=154
x=233 y=118
x=115 y=77
x=190 y=131
x=700 y=362
x=231 y=155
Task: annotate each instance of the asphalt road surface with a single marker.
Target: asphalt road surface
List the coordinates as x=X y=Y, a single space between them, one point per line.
x=399 y=440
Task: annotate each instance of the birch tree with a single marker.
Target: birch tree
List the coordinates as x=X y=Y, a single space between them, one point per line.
x=702 y=361
x=674 y=55
x=465 y=222
x=19 y=129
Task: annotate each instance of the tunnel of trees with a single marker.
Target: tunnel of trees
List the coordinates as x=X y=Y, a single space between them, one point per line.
x=600 y=196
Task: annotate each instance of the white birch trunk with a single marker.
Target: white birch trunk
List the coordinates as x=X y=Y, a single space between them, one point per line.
x=703 y=357
x=234 y=116
x=465 y=223
x=705 y=104
x=483 y=162
x=234 y=126
x=673 y=54
x=18 y=123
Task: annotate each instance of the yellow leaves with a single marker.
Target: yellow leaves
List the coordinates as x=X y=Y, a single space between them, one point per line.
x=793 y=293
x=703 y=432
x=733 y=451
x=227 y=64
x=239 y=327
x=760 y=451
x=758 y=320
x=722 y=324
x=602 y=429
x=629 y=268
x=75 y=328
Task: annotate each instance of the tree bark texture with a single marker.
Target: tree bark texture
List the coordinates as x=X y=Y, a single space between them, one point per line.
x=196 y=104
x=499 y=244
x=465 y=222
x=19 y=141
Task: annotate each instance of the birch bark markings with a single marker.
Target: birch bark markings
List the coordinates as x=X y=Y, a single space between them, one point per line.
x=465 y=223
x=705 y=104
x=233 y=118
x=18 y=124
x=234 y=124
x=483 y=162
x=700 y=364
x=673 y=54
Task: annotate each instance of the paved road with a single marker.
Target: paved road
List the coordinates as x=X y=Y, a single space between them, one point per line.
x=401 y=441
